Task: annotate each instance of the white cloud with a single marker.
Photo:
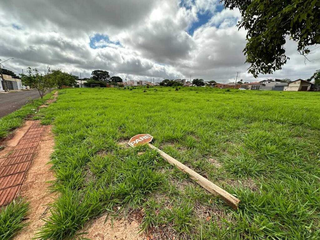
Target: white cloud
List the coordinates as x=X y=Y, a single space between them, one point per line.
x=153 y=37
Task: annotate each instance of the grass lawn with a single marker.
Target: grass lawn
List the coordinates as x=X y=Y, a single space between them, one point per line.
x=262 y=147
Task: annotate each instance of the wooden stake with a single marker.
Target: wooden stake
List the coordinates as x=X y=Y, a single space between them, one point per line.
x=205 y=183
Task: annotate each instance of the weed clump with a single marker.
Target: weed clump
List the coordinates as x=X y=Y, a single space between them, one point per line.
x=11 y=218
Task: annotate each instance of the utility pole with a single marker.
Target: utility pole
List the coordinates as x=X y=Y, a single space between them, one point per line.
x=235 y=83
x=1 y=74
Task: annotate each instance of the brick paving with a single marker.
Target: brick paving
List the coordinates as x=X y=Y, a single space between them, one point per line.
x=14 y=167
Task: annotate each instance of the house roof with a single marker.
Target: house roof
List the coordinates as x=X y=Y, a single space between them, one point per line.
x=9 y=77
x=301 y=81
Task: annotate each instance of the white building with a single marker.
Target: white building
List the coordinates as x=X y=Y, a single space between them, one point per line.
x=81 y=83
x=1 y=85
x=130 y=83
x=298 y=85
x=11 y=83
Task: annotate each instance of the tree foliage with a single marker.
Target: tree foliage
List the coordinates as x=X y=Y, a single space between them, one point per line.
x=116 y=79
x=34 y=79
x=316 y=77
x=211 y=83
x=170 y=83
x=100 y=75
x=269 y=23
x=94 y=83
x=198 y=82
x=62 y=79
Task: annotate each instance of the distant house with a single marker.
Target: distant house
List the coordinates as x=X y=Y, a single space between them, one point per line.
x=11 y=83
x=280 y=86
x=299 y=85
x=227 y=86
x=275 y=85
x=130 y=83
x=187 y=84
x=182 y=81
x=80 y=83
x=1 y=85
x=254 y=86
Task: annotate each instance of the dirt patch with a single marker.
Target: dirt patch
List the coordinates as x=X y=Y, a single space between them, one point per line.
x=117 y=229
x=52 y=100
x=165 y=232
x=102 y=153
x=243 y=183
x=215 y=162
x=181 y=185
x=123 y=144
x=213 y=213
x=36 y=187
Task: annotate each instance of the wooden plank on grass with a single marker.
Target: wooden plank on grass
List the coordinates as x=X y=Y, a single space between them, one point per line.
x=205 y=183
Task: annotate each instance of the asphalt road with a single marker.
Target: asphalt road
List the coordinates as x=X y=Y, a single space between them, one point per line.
x=9 y=102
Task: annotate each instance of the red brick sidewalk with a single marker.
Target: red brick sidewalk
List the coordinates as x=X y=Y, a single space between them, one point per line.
x=15 y=166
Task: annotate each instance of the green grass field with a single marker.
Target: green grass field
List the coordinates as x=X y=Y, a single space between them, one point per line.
x=263 y=147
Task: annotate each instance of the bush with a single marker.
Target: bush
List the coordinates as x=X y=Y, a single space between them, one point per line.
x=95 y=83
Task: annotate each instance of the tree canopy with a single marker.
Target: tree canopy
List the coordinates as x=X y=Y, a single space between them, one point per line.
x=116 y=79
x=212 y=83
x=100 y=75
x=170 y=83
x=61 y=78
x=316 y=77
x=34 y=79
x=270 y=23
x=94 y=83
x=198 y=82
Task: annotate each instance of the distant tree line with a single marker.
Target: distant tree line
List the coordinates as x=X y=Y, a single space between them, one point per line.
x=170 y=83
x=196 y=82
x=44 y=82
x=101 y=78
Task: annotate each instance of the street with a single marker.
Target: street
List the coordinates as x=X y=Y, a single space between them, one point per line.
x=9 y=102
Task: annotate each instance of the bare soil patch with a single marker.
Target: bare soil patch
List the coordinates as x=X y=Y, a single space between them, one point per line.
x=52 y=100
x=215 y=162
x=123 y=143
x=244 y=183
x=117 y=229
x=36 y=187
x=213 y=213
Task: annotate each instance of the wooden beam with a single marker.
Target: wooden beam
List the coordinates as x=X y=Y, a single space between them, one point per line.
x=205 y=183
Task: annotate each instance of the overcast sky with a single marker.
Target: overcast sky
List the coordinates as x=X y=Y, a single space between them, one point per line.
x=137 y=39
